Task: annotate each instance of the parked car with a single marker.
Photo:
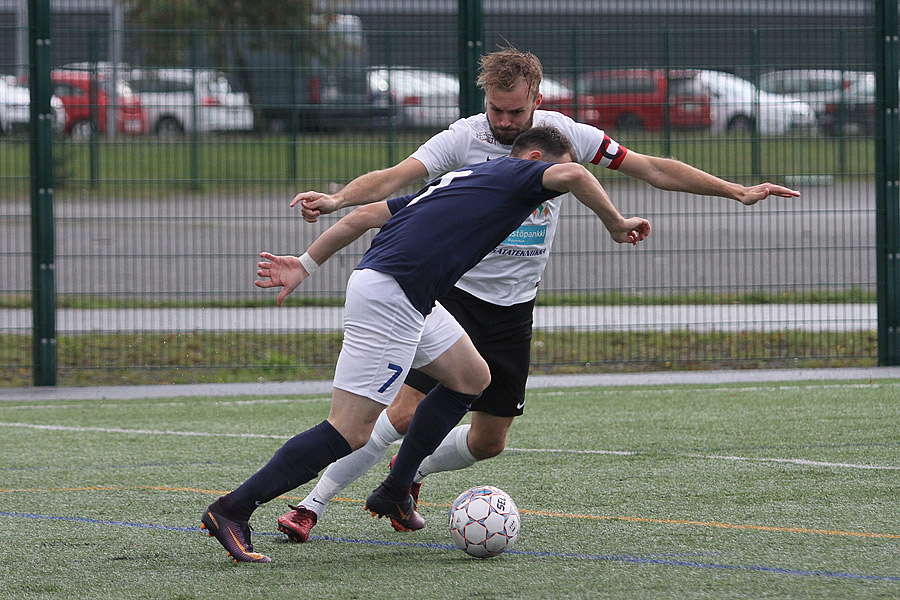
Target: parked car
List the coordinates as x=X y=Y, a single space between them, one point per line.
x=738 y=106
x=854 y=113
x=323 y=89
x=173 y=98
x=15 y=107
x=84 y=105
x=430 y=99
x=424 y=98
x=554 y=91
x=816 y=87
x=636 y=99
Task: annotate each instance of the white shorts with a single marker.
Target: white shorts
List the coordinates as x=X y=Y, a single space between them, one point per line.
x=384 y=335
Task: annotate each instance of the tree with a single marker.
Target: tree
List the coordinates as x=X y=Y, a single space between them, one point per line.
x=214 y=33
x=179 y=32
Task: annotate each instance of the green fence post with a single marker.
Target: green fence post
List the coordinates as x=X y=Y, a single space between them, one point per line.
x=295 y=76
x=842 y=105
x=195 y=111
x=887 y=181
x=756 y=145
x=94 y=102
x=391 y=150
x=43 y=293
x=576 y=107
x=667 y=123
x=471 y=36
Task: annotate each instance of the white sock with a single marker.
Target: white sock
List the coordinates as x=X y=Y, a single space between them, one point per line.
x=342 y=473
x=453 y=454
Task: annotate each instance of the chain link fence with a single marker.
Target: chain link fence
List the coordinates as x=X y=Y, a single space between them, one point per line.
x=177 y=149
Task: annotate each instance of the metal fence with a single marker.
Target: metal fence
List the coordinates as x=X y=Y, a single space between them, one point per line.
x=175 y=151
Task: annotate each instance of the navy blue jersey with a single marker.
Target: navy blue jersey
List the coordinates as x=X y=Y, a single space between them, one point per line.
x=441 y=232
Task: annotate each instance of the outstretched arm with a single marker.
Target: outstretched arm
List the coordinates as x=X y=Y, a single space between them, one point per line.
x=287 y=273
x=365 y=189
x=676 y=176
x=572 y=177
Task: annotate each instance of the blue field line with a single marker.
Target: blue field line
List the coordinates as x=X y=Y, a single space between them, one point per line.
x=204 y=463
x=627 y=558
x=95 y=521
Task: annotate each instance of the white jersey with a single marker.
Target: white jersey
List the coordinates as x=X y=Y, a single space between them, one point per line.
x=511 y=273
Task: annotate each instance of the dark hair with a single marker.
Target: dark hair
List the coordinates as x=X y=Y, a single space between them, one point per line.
x=549 y=140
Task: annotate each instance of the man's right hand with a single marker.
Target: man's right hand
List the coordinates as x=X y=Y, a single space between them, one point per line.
x=313 y=204
x=285 y=272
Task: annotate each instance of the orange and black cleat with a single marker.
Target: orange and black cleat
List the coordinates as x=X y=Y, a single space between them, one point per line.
x=233 y=535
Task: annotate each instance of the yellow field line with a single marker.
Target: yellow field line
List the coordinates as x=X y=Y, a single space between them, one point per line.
x=761 y=527
x=544 y=513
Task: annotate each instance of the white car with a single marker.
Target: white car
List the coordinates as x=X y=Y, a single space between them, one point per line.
x=428 y=98
x=424 y=98
x=553 y=90
x=817 y=87
x=738 y=106
x=173 y=98
x=15 y=107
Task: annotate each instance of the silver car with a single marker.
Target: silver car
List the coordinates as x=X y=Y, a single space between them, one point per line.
x=738 y=106
x=816 y=87
x=15 y=107
x=173 y=98
x=425 y=98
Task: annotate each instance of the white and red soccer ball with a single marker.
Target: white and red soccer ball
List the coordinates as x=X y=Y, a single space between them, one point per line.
x=484 y=521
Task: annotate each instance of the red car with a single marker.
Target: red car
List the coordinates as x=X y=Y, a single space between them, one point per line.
x=74 y=89
x=637 y=99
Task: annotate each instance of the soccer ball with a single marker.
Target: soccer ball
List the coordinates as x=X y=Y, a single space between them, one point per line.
x=484 y=521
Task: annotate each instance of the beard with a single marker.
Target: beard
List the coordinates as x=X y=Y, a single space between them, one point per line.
x=507 y=136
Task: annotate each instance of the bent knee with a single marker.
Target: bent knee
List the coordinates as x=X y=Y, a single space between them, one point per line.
x=476 y=381
x=487 y=449
x=485 y=443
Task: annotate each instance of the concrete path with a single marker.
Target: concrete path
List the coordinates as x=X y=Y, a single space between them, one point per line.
x=534 y=382
x=700 y=318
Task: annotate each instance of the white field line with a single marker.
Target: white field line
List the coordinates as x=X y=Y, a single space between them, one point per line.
x=143 y=431
x=719 y=390
x=565 y=451
x=100 y=403
x=798 y=461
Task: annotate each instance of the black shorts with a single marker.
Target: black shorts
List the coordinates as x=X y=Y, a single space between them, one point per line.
x=502 y=335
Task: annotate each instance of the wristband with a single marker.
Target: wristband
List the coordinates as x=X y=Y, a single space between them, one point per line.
x=308 y=263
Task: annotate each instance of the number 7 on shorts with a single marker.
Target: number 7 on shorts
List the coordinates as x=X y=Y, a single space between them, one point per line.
x=397 y=369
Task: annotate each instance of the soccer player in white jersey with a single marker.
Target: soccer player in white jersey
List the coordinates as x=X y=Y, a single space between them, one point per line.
x=391 y=321
x=494 y=301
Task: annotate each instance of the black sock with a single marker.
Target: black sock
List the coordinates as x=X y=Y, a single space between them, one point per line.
x=436 y=415
x=299 y=460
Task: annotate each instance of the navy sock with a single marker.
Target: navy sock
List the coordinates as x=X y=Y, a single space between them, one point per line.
x=436 y=415
x=299 y=460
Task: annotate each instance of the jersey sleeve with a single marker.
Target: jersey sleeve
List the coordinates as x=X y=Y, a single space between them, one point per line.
x=526 y=180
x=591 y=144
x=444 y=151
x=610 y=154
x=395 y=204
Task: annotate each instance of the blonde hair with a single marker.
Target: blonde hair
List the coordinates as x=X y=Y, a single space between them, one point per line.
x=504 y=68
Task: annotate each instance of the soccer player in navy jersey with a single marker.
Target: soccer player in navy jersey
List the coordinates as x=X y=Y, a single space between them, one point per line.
x=494 y=301
x=392 y=321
